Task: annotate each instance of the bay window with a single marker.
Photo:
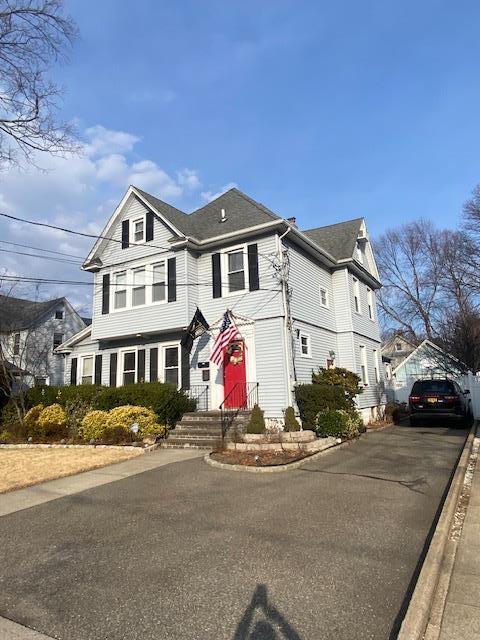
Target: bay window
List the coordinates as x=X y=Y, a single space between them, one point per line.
x=120 y=299
x=158 y=282
x=138 y=292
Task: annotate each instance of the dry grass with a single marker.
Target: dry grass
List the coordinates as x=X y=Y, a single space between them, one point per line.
x=25 y=467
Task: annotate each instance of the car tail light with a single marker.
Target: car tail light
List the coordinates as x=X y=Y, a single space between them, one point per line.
x=414 y=399
x=451 y=398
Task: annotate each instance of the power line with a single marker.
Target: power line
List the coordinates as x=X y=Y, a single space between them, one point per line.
x=27 y=246
x=36 y=255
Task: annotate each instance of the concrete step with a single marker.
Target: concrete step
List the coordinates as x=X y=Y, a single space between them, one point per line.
x=196 y=431
x=198 y=443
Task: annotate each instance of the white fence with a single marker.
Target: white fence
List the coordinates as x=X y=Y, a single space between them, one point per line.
x=401 y=391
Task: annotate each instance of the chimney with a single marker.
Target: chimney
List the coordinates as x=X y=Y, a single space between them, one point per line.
x=223 y=216
x=293 y=222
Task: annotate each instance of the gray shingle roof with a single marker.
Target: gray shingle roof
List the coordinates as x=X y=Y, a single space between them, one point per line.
x=17 y=313
x=338 y=239
x=242 y=213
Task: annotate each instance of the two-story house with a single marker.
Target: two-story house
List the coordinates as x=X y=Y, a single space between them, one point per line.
x=301 y=300
x=30 y=331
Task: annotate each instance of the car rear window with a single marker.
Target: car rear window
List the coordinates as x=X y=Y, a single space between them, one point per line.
x=432 y=386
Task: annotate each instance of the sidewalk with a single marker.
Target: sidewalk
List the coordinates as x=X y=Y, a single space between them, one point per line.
x=461 y=613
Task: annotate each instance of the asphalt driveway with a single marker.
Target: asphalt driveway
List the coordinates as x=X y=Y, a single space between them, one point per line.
x=189 y=552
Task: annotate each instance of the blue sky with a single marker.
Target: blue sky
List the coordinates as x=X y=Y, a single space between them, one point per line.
x=323 y=111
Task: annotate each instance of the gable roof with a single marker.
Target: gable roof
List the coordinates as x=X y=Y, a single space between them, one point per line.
x=18 y=313
x=335 y=242
x=431 y=348
x=338 y=239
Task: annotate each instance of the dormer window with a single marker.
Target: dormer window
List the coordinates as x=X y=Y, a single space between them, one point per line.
x=398 y=346
x=359 y=252
x=138 y=230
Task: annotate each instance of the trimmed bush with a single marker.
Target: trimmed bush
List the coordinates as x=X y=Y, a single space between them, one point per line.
x=313 y=398
x=52 y=422
x=340 y=377
x=257 y=421
x=338 y=423
x=291 y=423
x=93 y=425
x=164 y=399
x=124 y=417
x=31 y=419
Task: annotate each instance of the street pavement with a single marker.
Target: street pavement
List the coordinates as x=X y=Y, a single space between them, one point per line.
x=186 y=551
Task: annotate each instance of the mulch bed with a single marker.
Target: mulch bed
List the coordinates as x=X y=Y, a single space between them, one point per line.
x=265 y=458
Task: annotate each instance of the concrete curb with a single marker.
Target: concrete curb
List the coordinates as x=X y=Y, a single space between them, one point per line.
x=128 y=447
x=438 y=558
x=277 y=468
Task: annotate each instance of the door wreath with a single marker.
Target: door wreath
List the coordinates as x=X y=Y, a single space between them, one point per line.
x=235 y=351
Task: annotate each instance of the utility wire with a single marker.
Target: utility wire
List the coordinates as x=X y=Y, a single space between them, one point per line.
x=36 y=255
x=27 y=246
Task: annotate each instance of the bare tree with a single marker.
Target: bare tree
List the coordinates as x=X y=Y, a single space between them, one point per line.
x=34 y=34
x=409 y=265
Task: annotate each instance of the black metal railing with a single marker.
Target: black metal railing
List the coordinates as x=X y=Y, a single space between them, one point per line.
x=199 y=393
x=241 y=397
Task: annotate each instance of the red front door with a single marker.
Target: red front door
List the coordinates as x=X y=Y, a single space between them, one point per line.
x=234 y=376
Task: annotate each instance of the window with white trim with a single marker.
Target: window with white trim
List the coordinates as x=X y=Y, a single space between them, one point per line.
x=158 y=282
x=120 y=298
x=376 y=365
x=138 y=288
x=16 y=344
x=363 y=365
x=305 y=346
x=129 y=367
x=86 y=370
x=398 y=346
x=356 y=295
x=236 y=271
x=59 y=314
x=138 y=230
x=171 y=363
x=370 y=304
x=324 y=297
x=57 y=339
x=359 y=252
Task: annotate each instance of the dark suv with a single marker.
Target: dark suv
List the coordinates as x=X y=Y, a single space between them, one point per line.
x=439 y=399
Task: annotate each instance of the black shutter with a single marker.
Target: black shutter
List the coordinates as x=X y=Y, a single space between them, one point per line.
x=98 y=368
x=73 y=371
x=149 y=227
x=153 y=364
x=113 y=369
x=125 y=233
x=172 y=279
x=216 y=275
x=185 y=366
x=141 y=365
x=254 y=284
x=105 y=293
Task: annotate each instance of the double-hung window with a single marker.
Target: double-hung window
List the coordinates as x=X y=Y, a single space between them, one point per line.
x=129 y=367
x=86 y=371
x=158 y=283
x=120 y=299
x=370 y=304
x=363 y=365
x=59 y=315
x=305 y=346
x=138 y=291
x=57 y=339
x=323 y=297
x=138 y=230
x=356 y=295
x=171 y=365
x=16 y=344
x=236 y=271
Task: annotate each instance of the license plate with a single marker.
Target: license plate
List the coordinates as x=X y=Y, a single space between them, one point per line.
x=432 y=400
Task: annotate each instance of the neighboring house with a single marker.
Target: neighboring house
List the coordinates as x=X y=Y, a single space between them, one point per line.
x=29 y=333
x=301 y=299
x=397 y=348
x=427 y=361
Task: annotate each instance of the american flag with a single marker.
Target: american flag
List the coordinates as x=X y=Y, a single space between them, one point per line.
x=227 y=333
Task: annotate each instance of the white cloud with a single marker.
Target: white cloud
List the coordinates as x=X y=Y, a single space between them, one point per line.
x=79 y=193
x=208 y=196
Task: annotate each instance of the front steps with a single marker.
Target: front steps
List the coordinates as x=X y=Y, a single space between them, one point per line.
x=203 y=430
